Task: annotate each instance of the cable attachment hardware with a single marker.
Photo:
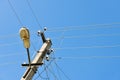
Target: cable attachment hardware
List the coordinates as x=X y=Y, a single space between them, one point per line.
x=50 y=51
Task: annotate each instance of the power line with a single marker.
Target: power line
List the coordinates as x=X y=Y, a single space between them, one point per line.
x=46 y=70
x=16 y=43
x=64 y=30
x=78 y=57
x=59 y=74
x=62 y=71
x=8 y=63
x=9 y=44
x=42 y=77
x=53 y=56
x=96 y=35
x=47 y=67
x=61 y=41
x=40 y=73
x=72 y=48
x=15 y=13
x=34 y=14
x=12 y=35
x=8 y=36
x=53 y=74
x=94 y=26
x=81 y=28
x=90 y=57
x=86 y=36
x=96 y=46
x=61 y=37
x=13 y=54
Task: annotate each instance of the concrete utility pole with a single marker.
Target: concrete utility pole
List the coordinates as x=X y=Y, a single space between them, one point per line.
x=37 y=61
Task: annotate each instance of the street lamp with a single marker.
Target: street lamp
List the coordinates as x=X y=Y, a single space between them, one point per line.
x=25 y=36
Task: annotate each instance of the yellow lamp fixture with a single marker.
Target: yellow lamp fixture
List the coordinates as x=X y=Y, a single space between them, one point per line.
x=25 y=36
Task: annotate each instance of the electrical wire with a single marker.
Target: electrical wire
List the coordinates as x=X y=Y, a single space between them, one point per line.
x=53 y=57
x=53 y=74
x=87 y=36
x=39 y=75
x=70 y=36
x=9 y=44
x=61 y=41
x=53 y=70
x=61 y=38
x=35 y=50
x=33 y=46
x=11 y=6
x=64 y=37
x=42 y=77
x=62 y=71
x=64 y=29
x=16 y=43
x=82 y=57
x=46 y=70
x=94 y=26
x=8 y=63
x=90 y=57
x=34 y=14
x=59 y=58
x=80 y=28
x=13 y=54
x=15 y=35
x=72 y=48
x=59 y=76
x=9 y=36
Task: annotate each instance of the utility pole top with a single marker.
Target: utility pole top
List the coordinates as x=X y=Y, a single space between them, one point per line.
x=37 y=61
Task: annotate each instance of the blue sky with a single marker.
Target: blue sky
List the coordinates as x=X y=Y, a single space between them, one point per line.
x=85 y=36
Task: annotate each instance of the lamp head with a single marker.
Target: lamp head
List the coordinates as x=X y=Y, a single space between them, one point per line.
x=25 y=36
